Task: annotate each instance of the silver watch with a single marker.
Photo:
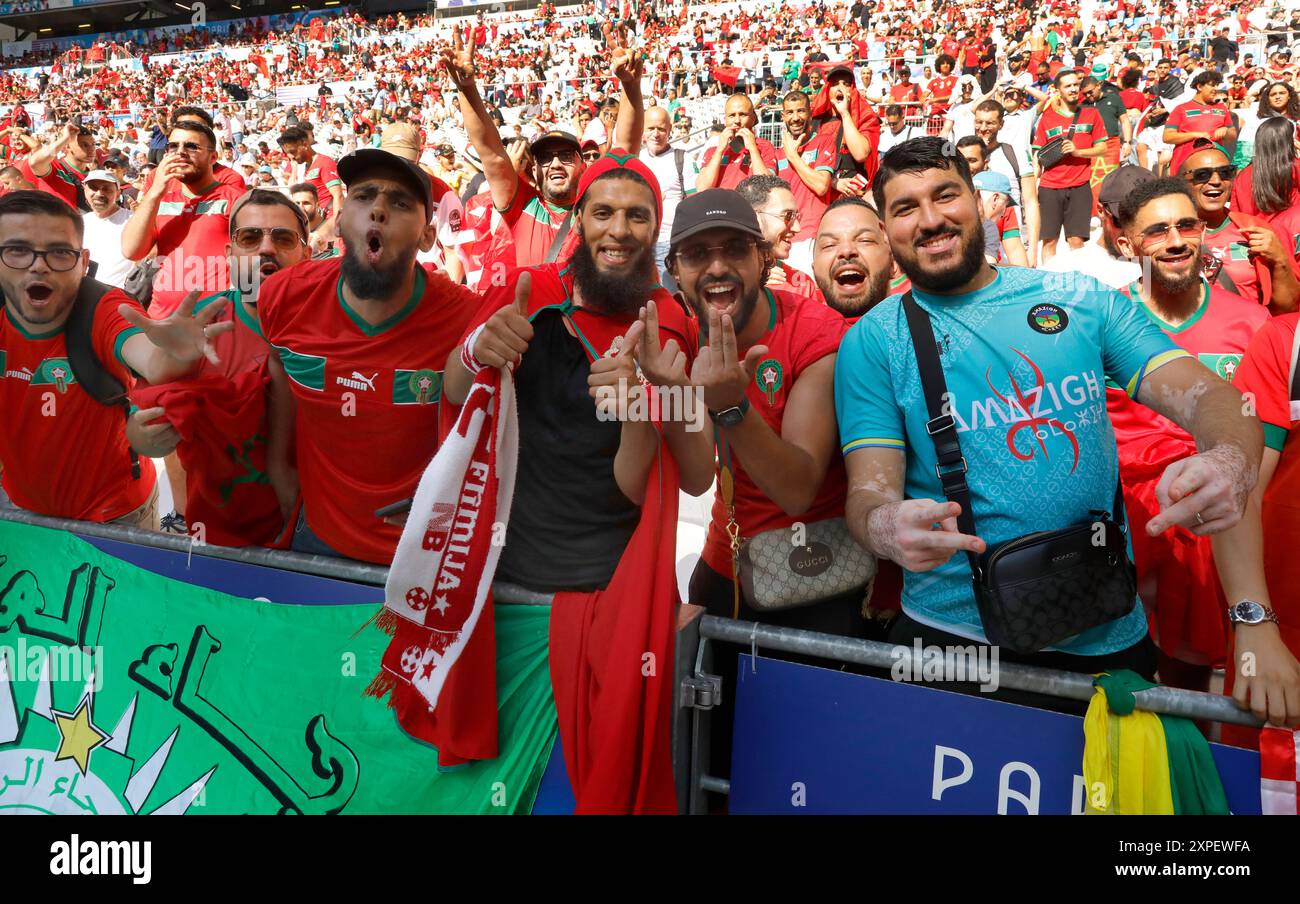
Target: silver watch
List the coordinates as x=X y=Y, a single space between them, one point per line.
x=1250 y=612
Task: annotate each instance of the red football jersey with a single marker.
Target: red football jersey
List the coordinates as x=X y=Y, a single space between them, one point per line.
x=1230 y=246
x=63 y=454
x=191 y=233
x=533 y=223
x=62 y=180
x=820 y=152
x=736 y=168
x=366 y=426
x=800 y=333
x=323 y=173
x=1087 y=132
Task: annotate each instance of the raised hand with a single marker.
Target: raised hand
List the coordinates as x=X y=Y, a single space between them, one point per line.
x=506 y=334
x=626 y=61
x=610 y=374
x=661 y=365
x=458 y=60
x=184 y=335
x=719 y=372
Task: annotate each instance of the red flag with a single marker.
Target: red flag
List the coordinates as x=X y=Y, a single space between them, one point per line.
x=727 y=75
x=612 y=667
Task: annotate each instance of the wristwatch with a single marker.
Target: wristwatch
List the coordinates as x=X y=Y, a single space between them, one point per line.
x=1249 y=612
x=730 y=417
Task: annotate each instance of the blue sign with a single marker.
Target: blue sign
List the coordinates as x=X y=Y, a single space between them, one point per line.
x=812 y=740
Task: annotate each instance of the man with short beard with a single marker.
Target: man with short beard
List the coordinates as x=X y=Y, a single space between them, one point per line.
x=104 y=224
x=573 y=334
x=1005 y=334
x=185 y=214
x=1102 y=259
x=807 y=163
x=1176 y=574
x=851 y=258
x=359 y=343
x=219 y=420
x=780 y=220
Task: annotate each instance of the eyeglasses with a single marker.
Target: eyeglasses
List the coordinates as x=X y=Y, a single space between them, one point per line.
x=249 y=238
x=788 y=217
x=1206 y=173
x=564 y=155
x=735 y=251
x=191 y=147
x=21 y=257
x=1158 y=234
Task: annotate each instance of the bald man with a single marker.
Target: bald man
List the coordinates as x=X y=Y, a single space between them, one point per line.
x=676 y=173
x=739 y=153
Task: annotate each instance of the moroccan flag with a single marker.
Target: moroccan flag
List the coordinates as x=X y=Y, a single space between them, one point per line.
x=197 y=702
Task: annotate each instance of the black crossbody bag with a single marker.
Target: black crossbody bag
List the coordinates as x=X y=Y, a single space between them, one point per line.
x=1040 y=589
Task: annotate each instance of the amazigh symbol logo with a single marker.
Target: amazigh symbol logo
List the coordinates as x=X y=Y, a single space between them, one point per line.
x=1048 y=318
x=1027 y=405
x=770 y=378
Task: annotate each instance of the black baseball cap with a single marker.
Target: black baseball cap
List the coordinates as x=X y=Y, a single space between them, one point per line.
x=1120 y=183
x=366 y=160
x=715 y=208
x=555 y=135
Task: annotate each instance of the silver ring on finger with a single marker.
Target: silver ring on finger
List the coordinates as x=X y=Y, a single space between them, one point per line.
x=1199 y=520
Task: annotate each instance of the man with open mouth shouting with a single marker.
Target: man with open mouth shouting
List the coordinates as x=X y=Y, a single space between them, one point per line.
x=65 y=452
x=359 y=344
x=217 y=420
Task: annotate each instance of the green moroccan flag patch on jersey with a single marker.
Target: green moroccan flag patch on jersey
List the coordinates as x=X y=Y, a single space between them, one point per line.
x=125 y=692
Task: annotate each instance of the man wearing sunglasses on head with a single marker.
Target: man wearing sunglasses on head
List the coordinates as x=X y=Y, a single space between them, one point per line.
x=1176 y=573
x=221 y=419
x=1241 y=253
x=185 y=214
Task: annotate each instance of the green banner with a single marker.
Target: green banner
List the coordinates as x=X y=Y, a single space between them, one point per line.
x=128 y=693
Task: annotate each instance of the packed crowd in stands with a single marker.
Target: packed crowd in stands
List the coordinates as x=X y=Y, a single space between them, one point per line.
x=1094 y=205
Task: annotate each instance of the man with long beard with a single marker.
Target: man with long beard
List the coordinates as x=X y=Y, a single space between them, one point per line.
x=851 y=258
x=1176 y=571
x=570 y=332
x=359 y=343
x=1048 y=342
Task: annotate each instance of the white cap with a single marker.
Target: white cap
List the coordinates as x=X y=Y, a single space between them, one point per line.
x=100 y=175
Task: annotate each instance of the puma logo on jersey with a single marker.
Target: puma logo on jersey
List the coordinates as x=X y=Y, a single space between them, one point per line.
x=358 y=381
x=24 y=374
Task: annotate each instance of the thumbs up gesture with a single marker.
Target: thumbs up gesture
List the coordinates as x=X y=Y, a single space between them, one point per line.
x=613 y=381
x=506 y=334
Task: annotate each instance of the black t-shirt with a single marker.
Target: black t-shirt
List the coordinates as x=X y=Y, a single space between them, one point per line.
x=569 y=521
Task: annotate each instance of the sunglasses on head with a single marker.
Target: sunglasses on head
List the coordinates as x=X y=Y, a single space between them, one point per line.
x=1204 y=174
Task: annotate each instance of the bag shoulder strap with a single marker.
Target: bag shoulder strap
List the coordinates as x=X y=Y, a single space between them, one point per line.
x=679 y=155
x=942 y=427
x=558 y=242
x=1010 y=153
x=90 y=372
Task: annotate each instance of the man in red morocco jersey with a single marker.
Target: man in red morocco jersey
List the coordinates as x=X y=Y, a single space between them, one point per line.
x=738 y=152
x=536 y=213
x=772 y=403
x=1176 y=572
x=185 y=214
x=360 y=342
x=1064 y=198
x=938 y=93
x=322 y=173
x=61 y=175
x=1268 y=376
x=1245 y=254
x=220 y=415
x=807 y=162
x=62 y=453
x=1200 y=117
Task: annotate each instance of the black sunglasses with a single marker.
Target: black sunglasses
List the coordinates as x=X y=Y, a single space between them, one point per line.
x=1204 y=174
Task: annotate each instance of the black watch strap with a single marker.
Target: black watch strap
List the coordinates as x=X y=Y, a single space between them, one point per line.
x=730 y=417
